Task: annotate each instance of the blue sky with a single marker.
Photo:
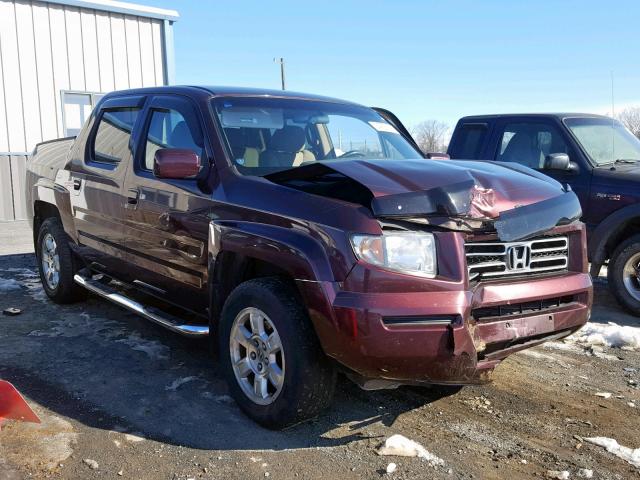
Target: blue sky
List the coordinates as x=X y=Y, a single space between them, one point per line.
x=421 y=59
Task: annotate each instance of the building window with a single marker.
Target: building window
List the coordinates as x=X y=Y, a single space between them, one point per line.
x=76 y=108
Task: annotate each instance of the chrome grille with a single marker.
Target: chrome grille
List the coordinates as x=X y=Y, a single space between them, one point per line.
x=499 y=259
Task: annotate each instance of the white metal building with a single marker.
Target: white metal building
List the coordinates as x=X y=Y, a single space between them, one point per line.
x=57 y=57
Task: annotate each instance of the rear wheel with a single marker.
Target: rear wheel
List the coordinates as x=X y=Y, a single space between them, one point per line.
x=624 y=274
x=272 y=360
x=56 y=264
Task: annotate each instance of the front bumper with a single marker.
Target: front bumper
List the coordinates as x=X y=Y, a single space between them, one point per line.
x=436 y=337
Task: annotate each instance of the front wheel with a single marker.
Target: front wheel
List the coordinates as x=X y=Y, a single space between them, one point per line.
x=624 y=274
x=271 y=357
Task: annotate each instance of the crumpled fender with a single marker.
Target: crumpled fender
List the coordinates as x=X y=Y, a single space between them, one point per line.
x=13 y=406
x=298 y=253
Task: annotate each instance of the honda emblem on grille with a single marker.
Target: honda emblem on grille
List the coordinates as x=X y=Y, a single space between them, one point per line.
x=518 y=257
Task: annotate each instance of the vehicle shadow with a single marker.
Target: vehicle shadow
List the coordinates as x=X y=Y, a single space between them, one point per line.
x=106 y=368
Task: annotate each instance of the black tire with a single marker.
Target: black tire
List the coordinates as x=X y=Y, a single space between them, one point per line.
x=66 y=290
x=309 y=378
x=622 y=254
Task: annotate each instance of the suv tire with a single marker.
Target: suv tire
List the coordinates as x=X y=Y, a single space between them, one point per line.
x=271 y=358
x=624 y=274
x=56 y=263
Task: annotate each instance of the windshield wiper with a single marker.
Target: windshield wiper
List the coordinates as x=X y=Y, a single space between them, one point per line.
x=626 y=160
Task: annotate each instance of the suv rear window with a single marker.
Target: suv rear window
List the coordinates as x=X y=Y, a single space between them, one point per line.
x=111 y=142
x=469 y=142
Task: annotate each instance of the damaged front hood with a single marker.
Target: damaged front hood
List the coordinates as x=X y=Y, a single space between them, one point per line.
x=518 y=201
x=414 y=187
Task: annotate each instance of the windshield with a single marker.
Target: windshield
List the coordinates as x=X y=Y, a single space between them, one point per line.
x=605 y=140
x=266 y=135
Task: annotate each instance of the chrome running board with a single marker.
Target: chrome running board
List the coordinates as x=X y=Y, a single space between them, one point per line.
x=167 y=321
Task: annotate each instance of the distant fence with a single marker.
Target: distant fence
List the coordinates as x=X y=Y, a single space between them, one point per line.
x=12 y=187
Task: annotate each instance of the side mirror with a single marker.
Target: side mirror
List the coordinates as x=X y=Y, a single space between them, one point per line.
x=437 y=156
x=559 y=161
x=175 y=163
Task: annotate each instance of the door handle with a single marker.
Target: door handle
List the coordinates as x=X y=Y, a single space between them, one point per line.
x=77 y=183
x=132 y=198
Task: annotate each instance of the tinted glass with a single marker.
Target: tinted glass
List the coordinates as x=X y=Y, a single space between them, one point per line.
x=469 y=142
x=268 y=135
x=529 y=143
x=169 y=128
x=111 y=143
x=605 y=140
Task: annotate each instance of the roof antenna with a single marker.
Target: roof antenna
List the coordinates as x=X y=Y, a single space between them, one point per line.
x=613 y=124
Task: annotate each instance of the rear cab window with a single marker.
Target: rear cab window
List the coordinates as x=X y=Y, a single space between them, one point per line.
x=113 y=134
x=469 y=141
x=529 y=143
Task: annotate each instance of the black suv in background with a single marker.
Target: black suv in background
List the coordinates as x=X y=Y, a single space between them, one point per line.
x=596 y=156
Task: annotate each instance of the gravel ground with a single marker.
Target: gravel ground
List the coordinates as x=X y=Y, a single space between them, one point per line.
x=122 y=398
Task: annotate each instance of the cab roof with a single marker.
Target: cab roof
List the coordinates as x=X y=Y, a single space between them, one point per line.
x=533 y=115
x=223 y=91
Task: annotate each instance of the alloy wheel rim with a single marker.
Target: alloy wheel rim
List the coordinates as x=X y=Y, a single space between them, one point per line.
x=631 y=276
x=257 y=356
x=50 y=261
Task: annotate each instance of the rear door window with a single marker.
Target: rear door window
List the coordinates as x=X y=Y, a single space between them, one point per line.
x=469 y=141
x=529 y=143
x=111 y=141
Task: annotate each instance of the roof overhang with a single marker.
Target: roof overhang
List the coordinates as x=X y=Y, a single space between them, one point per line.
x=121 y=7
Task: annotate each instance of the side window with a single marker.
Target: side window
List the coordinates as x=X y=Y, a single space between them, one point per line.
x=529 y=143
x=171 y=128
x=111 y=142
x=469 y=141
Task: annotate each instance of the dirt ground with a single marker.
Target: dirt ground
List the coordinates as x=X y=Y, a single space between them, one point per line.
x=122 y=398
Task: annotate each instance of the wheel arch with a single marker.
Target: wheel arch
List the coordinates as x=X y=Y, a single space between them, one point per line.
x=240 y=251
x=611 y=232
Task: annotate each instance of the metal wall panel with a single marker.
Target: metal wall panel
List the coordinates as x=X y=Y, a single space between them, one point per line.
x=18 y=180
x=12 y=182
x=47 y=48
x=134 y=60
x=6 y=190
x=105 y=51
x=12 y=88
x=90 y=51
x=44 y=61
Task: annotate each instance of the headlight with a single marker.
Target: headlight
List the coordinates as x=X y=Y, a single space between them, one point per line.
x=407 y=252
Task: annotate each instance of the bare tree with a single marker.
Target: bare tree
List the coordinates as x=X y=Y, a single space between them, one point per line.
x=630 y=117
x=431 y=135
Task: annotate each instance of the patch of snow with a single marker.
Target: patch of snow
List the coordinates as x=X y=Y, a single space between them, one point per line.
x=391 y=468
x=558 y=475
x=566 y=347
x=538 y=355
x=226 y=399
x=93 y=465
x=609 y=335
x=629 y=455
x=603 y=394
x=178 y=382
x=403 y=447
x=152 y=348
x=134 y=437
x=585 y=473
x=8 y=285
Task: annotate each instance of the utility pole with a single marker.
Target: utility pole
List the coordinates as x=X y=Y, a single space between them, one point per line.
x=281 y=62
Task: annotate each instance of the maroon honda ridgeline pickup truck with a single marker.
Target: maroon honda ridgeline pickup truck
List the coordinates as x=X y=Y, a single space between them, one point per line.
x=305 y=235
